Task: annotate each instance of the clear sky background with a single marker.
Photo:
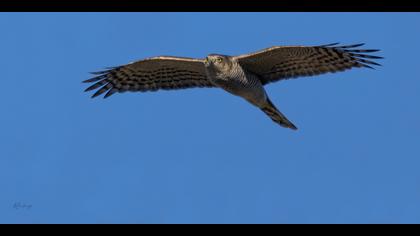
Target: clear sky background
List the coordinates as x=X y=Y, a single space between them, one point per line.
x=203 y=155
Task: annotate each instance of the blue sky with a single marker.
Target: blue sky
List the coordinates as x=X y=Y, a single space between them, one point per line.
x=203 y=155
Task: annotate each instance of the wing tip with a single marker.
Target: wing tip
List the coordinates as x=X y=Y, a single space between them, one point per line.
x=358 y=54
x=100 y=78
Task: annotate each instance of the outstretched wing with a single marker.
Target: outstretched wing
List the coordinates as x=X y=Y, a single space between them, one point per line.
x=276 y=63
x=151 y=74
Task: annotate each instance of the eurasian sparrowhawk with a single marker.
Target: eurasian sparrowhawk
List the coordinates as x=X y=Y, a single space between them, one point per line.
x=243 y=75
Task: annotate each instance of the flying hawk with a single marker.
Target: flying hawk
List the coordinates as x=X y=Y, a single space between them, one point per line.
x=244 y=75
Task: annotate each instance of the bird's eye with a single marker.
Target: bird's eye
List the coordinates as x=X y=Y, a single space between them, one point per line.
x=219 y=59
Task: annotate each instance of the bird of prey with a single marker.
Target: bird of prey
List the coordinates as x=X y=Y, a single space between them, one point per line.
x=244 y=75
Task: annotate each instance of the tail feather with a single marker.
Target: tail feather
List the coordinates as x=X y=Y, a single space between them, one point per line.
x=277 y=116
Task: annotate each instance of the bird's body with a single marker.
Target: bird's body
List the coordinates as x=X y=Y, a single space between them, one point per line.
x=230 y=76
x=243 y=76
x=234 y=79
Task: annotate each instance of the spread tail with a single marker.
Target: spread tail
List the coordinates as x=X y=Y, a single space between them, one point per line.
x=276 y=115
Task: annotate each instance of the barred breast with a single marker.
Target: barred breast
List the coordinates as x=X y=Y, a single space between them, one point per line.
x=245 y=85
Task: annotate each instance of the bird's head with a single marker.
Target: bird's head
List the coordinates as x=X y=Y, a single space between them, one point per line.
x=218 y=63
